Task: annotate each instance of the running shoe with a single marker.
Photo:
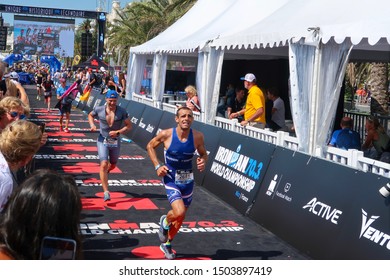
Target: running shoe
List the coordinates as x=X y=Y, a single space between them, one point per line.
x=107 y=196
x=167 y=250
x=163 y=232
x=66 y=130
x=61 y=128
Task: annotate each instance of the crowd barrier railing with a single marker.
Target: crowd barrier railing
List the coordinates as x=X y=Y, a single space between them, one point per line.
x=352 y=158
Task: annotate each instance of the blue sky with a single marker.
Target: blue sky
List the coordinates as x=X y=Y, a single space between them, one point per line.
x=86 y=5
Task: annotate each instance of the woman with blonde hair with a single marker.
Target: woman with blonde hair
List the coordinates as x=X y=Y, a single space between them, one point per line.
x=377 y=138
x=19 y=141
x=12 y=108
x=192 y=98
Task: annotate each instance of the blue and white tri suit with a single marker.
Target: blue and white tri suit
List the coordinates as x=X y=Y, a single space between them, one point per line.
x=179 y=182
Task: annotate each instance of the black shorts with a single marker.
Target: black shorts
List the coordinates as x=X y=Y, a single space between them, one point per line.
x=65 y=108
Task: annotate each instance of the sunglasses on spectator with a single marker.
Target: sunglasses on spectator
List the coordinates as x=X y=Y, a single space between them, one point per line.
x=15 y=114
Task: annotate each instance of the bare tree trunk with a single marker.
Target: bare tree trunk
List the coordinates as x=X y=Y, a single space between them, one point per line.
x=378 y=86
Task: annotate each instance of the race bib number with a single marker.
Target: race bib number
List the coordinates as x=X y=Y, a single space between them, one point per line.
x=184 y=176
x=110 y=142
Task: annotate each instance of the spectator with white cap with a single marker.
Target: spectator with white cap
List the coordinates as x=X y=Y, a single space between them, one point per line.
x=104 y=73
x=254 y=110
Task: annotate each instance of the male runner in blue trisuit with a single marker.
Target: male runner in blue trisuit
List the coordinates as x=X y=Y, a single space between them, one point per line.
x=180 y=144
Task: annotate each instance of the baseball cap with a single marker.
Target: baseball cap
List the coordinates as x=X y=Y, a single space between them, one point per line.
x=12 y=75
x=111 y=94
x=249 y=77
x=102 y=69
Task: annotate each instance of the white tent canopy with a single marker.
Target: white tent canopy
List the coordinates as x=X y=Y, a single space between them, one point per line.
x=318 y=37
x=321 y=36
x=190 y=35
x=206 y=21
x=356 y=20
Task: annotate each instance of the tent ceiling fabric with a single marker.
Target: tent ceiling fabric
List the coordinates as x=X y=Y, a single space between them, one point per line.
x=355 y=20
x=206 y=21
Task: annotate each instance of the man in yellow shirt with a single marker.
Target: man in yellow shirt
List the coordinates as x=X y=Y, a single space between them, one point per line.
x=254 y=111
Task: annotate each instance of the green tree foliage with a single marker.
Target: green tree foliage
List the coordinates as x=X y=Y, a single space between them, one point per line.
x=140 y=22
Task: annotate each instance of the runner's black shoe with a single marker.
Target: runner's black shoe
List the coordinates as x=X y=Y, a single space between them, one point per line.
x=162 y=232
x=167 y=250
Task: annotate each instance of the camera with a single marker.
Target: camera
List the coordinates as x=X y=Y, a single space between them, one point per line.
x=385 y=190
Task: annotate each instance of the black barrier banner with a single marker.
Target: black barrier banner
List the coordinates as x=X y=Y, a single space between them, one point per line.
x=167 y=121
x=95 y=99
x=76 y=102
x=122 y=102
x=326 y=210
x=135 y=110
x=99 y=101
x=147 y=126
x=236 y=168
x=212 y=134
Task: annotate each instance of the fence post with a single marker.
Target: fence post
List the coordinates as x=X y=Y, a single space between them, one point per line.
x=280 y=138
x=318 y=152
x=354 y=160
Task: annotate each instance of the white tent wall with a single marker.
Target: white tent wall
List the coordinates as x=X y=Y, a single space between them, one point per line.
x=135 y=70
x=316 y=75
x=191 y=34
x=208 y=83
x=333 y=60
x=300 y=88
x=158 y=75
x=333 y=28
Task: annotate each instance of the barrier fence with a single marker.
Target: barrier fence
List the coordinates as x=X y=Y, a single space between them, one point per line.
x=351 y=158
x=325 y=209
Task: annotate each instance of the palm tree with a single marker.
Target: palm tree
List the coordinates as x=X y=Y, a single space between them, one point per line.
x=356 y=74
x=378 y=81
x=142 y=21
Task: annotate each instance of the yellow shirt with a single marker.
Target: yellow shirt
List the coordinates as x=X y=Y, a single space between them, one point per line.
x=254 y=101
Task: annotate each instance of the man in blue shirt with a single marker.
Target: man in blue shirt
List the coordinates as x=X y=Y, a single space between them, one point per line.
x=346 y=138
x=180 y=144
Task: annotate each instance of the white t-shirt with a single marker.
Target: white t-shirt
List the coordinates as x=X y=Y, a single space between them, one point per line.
x=6 y=182
x=278 y=117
